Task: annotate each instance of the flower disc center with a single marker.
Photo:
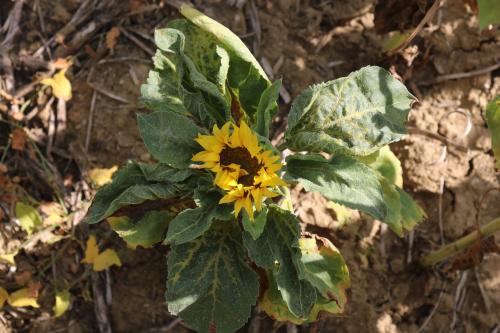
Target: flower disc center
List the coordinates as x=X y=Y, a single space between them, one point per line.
x=244 y=159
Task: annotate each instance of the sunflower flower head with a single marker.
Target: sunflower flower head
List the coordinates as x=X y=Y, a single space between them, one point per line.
x=243 y=169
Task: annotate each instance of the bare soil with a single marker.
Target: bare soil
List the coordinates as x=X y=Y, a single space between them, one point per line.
x=306 y=42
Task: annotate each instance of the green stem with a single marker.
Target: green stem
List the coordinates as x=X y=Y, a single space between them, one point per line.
x=459 y=245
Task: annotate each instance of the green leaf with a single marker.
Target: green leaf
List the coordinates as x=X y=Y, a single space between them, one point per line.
x=169 y=137
x=277 y=249
x=191 y=223
x=209 y=283
x=489 y=12
x=255 y=227
x=131 y=186
x=342 y=179
x=149 y=230
x=28 y=217
x=403 y=213
x=359 y=113
x=493 y=121
x=411 y=212
x=267 y=108
x=326 y=269
x=395 y=40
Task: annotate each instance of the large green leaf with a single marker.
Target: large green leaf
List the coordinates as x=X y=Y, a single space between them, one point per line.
x=326 y=270
x=342 y=179
x=131 y=186
x=489 y=12
x=493 y=121
x=210 y=285
x=191 y=223
x=148 y=231
x=169 y=137
x=277 y=249
x=267 y=108
x=359 y=113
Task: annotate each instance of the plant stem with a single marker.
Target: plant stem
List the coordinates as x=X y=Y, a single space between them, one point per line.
x=459 y=245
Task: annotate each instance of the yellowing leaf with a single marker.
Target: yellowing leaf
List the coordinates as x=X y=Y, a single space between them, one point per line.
x=4 y=296
x=106 y=259
x=28 y=217
x=395 y=39
x=61 y=86
x=9 y=258
x=100 y=261
x=62 y=302
x=103 y=176
x=91 y=251
x=23 y=297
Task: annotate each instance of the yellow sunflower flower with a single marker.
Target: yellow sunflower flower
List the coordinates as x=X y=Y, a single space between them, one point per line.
x=244 y=170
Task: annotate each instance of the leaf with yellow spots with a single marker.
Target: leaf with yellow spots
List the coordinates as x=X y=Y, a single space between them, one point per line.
x=61 y=86
x=4 y=296
x=99 y=261
x=23 y=297
x=62 y=302
x=102 y=176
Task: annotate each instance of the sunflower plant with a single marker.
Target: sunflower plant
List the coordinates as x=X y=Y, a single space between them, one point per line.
x=219 y=194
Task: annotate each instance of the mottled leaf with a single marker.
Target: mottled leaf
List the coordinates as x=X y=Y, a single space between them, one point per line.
x=342 y=179
x=493 y=121
x=28 y=217
x=326 y=269
x=210 y=285
x=277 y=249
x=359 y=113
x=169 y=137
x=148 y=231
x=267 y=108
x=246 y=77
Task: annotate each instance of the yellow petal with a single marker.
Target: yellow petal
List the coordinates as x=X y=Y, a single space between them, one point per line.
x=237 y=207
x=102 y=176
x=22 y=297
x=247 y=203
x=91 y=251
x=206 y=156
x=4 y=296
x=105 y=260
x=62 y=302
x=210 y=143
x=257 y=197
x=61 y=86
x=227 y=199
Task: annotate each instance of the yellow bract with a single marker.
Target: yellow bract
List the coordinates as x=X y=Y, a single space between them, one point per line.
x=244 y=170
